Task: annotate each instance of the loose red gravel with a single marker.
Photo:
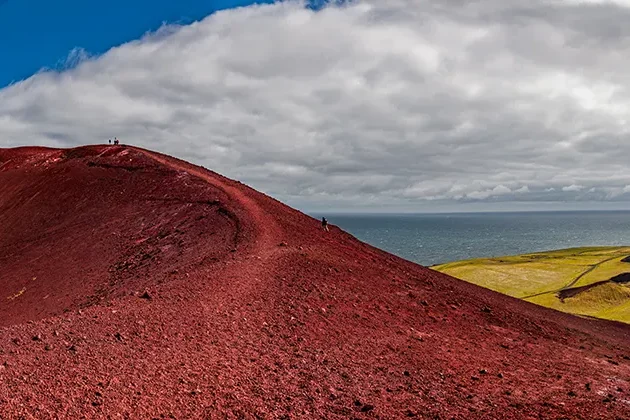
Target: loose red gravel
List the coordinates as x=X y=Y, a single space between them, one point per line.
x=135 y=285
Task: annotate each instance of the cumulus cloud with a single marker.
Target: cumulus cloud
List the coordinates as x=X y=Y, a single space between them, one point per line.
x=498 y=190
x=574 y=187
x=401 y=103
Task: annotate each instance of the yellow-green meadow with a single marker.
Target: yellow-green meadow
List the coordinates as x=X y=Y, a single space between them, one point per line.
x=578 y=280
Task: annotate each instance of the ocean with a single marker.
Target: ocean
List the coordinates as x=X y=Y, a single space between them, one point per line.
x=430 y=239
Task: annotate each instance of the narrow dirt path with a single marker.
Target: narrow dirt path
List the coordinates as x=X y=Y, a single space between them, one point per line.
x=269 y=232
x=593 y=267
x=574 y=281
x=247 y=275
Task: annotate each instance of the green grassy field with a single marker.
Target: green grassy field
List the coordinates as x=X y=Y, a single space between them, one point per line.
x=572 y=280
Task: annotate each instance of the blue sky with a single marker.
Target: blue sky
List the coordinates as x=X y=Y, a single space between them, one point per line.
x=40 y=33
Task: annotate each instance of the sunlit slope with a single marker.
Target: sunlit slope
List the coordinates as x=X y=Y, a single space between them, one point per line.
x=584 y=281
x=133 y=282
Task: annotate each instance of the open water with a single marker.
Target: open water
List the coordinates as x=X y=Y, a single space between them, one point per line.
x=437 y=238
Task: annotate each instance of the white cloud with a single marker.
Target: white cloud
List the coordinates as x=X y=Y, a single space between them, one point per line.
x=572 y=188
x=385 y=102
x=621 y=3
x=481 y=195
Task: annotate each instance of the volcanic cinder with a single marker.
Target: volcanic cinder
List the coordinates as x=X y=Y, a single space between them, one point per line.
x=135 y=285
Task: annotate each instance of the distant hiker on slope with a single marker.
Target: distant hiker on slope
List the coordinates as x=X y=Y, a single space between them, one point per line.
x=324 y=224
x=110 y=141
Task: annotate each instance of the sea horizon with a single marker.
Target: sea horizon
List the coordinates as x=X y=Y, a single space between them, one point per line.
x=436 y=238
x=400 y=213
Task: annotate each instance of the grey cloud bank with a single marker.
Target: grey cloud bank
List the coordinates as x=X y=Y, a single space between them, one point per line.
x=394 y=105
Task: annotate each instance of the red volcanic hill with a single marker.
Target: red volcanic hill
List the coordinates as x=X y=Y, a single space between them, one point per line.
x=136 y=285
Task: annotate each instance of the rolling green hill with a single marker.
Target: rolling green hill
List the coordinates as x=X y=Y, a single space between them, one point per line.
x=591 y=281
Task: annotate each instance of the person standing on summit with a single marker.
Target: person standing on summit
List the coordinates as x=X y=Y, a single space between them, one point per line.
x=324 y=224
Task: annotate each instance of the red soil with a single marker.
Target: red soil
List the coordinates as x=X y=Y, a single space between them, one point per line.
x=252 y=311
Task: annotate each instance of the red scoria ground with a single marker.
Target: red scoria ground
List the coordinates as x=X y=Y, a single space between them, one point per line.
x=134 y=285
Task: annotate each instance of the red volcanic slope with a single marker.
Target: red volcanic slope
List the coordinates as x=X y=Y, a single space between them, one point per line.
x=135 y=285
